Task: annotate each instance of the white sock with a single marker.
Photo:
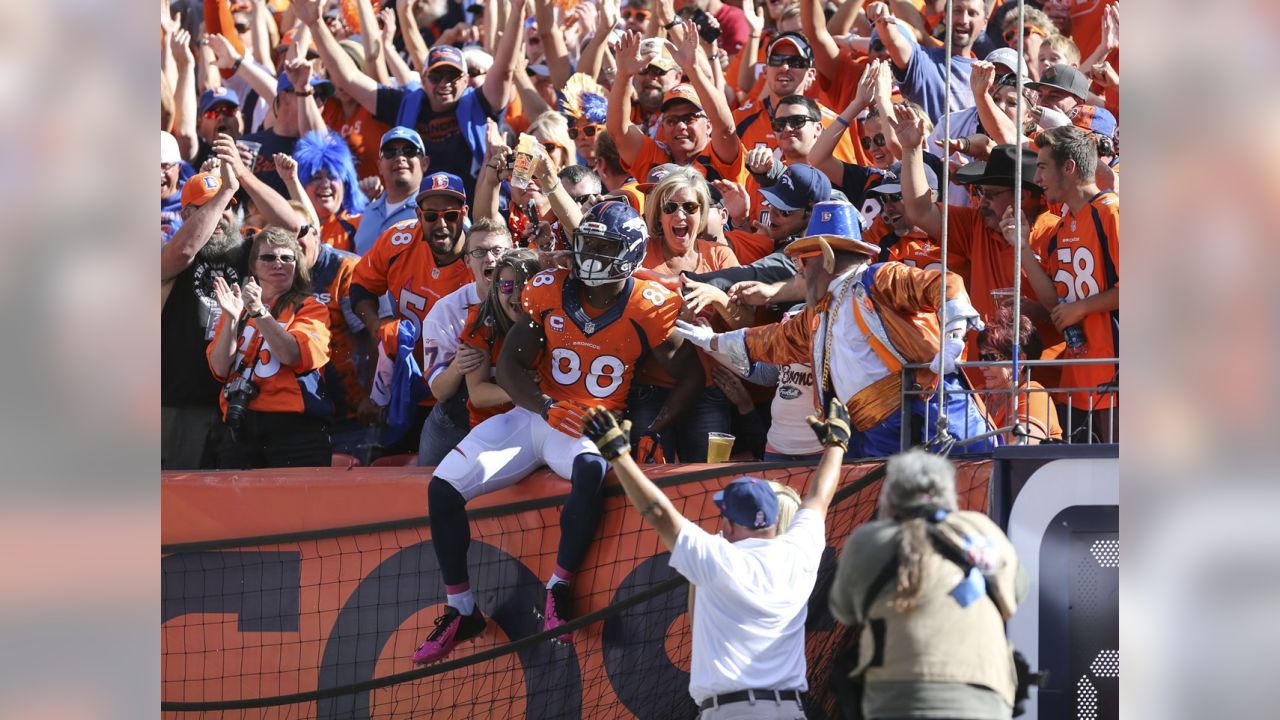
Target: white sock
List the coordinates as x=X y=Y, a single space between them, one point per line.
x=464 y=602
x=555 y=579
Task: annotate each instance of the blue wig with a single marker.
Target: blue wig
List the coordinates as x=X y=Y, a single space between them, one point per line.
x=328 y=151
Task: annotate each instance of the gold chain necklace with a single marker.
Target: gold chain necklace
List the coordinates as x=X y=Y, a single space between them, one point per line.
x=826 y=345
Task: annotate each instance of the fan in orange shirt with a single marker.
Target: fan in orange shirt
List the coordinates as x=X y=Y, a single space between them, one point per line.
x=696 y=128
x=1036 y=413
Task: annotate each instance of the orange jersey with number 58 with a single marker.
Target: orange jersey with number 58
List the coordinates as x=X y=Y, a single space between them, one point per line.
x=591 y=355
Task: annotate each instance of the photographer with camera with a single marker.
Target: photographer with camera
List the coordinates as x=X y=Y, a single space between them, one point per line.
x=272 y=340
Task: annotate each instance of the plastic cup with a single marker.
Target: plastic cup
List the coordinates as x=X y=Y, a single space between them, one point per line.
x=1002 y=296
x=719 y=447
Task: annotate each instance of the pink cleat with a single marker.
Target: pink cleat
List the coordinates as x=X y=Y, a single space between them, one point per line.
x=451 y=628
x=557 y=612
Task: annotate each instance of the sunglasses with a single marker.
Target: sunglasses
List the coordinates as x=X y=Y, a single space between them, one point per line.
x=506 y=287
x=783 y=213
x=653 y=70
x=891 y=197
x=450 y=216
x=166 y=167
x=586 y=131
x=689 y=207
x=580 y=199
x=632 y=14
x=475 y=72
x=409 y=151
x=673 y=120
x=790 y=122
x=444 y=77
x=478 y=253
x=796 y=61
x=991 y=357
x=1011 y=34
x=273 y=257
x=878 y=139
x=218 y=111
x=550 y=147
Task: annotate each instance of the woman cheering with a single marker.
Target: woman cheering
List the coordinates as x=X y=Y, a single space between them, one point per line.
x=271 y=342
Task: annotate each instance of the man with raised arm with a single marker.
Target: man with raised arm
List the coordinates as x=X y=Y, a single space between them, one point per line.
x=753 y=579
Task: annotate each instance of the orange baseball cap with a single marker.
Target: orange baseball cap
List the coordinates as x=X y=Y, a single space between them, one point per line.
x=683 y=91
x=200 y=189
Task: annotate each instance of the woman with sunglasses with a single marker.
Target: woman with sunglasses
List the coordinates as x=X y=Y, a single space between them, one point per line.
x=271 y=343
x=326 y=174
x=486 y=327
x=676 y=211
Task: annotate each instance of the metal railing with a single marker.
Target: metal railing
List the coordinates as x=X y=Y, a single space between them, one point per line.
x=1079 y=425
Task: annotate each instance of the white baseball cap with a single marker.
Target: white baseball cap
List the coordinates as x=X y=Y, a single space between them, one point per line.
x=169 y=152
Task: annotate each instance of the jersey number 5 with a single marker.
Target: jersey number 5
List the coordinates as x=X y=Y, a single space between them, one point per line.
x=1079 y=278
x=603 y=377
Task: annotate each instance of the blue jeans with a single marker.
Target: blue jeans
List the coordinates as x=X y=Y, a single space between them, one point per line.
x=964 y=420
x=686 y=438
x=444 y=429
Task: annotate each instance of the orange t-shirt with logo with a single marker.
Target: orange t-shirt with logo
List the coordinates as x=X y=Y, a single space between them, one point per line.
x=591 y=354
x=340 y=230
x=363 y=133
x=982 y=257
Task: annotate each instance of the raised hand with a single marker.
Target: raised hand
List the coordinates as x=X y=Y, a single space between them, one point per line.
x=834 y=429
x=754 y=16
x=180 y=46
x=699 y=296
x=908 y=127
x=169 y=24
x=685 y=47
x=286 y=166
x=225 y=148
x=737 y=202
x=371 y=186
x=1009 y=230
x=1111 y=27
x=982 y=77
x=224 y=55
x=612 y=439
x=388 y=17
x=307 y=11
x=630 y=61
x=298 y=70
x=228 y=297
x=878 y=11
x=760 y=160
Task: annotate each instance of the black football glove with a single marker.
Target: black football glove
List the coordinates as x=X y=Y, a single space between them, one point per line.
x=834 y=430
x=612 y=439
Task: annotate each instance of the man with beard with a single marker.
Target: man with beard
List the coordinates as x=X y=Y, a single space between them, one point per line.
x=788 y=72
x=208 y=245
x=417 y=262
x=401 y=164
x=697 y=127
x=447 y=113
x=922 y=71
x=651 y=85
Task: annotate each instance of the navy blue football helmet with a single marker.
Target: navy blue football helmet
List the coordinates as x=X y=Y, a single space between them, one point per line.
x=609 y=244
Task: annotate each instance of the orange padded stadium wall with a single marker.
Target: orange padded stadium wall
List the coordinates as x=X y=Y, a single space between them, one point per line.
x=319 y=583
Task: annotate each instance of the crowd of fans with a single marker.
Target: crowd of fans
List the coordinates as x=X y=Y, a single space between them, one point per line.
x=349 y=218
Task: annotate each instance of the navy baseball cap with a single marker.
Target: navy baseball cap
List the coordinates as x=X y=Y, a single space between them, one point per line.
x=749 y=502
x=446 y=56
x=401 y=132
x=798 y=187
x=443 y=183
x=216 y=95
x=891 y=180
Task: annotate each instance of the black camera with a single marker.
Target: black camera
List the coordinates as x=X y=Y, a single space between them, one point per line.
x=239 y=393
x=706 y=31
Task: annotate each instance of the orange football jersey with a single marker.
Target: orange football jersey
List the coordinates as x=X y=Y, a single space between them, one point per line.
x=284 y=389
x=712 y=168
x=1082 y=256
x=340 y=230
x=915 y=249
x=400 y=262
x=591 y=356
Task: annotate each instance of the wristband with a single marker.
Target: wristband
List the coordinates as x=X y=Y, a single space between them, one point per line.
x=261 y=312
x=840 y=119
x=671 y=24
x=236 y=65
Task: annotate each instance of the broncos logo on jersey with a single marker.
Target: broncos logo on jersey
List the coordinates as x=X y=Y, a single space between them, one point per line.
x=609 y=244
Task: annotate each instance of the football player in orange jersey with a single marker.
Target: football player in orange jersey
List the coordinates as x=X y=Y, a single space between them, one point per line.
x=584 y=331
x=1078 y=276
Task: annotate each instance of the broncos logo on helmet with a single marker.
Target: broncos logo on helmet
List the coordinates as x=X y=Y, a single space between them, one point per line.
x=609 y=244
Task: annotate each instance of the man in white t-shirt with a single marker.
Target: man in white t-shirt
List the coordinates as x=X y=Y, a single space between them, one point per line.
x=753 y=583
